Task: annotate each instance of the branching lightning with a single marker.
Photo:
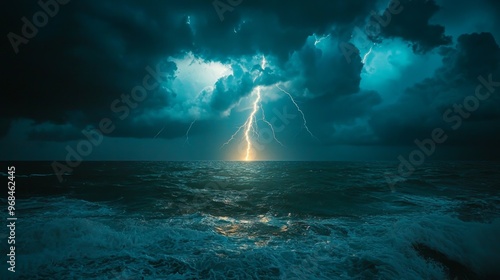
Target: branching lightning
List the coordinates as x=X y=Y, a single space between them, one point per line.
x=300 y=111
x=250 y=125
x=234 y=135
x=270 y=126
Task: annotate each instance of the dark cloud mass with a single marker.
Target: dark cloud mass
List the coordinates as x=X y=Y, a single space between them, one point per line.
x=84 y=64
x=415 y=26
x=230 y=89
x=422 y=107
x=95 y=50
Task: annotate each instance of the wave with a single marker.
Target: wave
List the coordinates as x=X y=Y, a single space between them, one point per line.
x=83 y=239
x=257 y=221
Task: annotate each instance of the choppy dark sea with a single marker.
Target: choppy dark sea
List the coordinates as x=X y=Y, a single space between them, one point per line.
x=255 y=220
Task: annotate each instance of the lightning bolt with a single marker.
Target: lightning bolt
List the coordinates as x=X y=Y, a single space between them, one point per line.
x=159 y=132
x=187 y=132
x=270 y=126
x=367 y=54
x=317 y=41
x=249 y=123
x=300 y=111
x=234 y=135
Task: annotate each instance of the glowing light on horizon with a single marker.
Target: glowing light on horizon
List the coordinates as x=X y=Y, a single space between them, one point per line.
x=250 y=125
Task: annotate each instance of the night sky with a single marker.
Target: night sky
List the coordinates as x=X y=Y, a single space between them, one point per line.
x=371 y=78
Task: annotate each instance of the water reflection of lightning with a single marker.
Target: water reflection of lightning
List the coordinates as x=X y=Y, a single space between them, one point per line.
x=187 y=133
x=300 y=111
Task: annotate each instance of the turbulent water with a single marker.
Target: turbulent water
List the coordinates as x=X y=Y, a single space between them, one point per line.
x=256 y=220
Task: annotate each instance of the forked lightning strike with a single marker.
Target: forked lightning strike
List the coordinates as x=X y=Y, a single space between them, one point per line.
x=250 y=124
x=270 y=126
x=234 y=135
x=300 y=111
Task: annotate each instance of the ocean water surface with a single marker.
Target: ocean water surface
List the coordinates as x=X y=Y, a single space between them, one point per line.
x=256 y=220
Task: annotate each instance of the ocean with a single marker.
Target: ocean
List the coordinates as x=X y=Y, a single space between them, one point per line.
x=254 y=220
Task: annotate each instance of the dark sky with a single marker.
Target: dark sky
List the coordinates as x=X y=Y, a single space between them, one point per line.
x=370 y=77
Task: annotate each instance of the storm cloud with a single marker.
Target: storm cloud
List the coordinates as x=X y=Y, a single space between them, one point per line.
x=84 y=64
